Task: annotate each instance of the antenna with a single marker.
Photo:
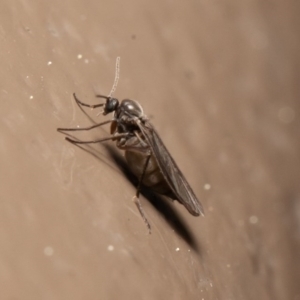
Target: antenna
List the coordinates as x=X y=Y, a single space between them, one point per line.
x=117 y=76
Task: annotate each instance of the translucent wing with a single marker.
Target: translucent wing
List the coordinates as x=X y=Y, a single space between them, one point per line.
x=173 y=176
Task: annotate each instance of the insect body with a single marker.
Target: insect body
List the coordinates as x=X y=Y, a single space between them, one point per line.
x=147 y=156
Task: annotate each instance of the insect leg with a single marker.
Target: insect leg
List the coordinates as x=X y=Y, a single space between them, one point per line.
x=101 y=96
x=84 y=128
x=136 y=197
x=87 y=105
x=141 y=210
x=113 y=137
x=142 y=176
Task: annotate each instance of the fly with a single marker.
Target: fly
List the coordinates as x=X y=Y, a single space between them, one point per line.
x=146 y=155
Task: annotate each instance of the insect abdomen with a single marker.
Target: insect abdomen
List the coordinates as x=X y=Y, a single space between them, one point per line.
x=153 y=178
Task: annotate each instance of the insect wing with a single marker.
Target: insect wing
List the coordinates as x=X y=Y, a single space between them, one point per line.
x=170 y=171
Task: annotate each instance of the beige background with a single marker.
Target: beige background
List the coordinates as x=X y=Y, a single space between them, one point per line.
x=220 y=81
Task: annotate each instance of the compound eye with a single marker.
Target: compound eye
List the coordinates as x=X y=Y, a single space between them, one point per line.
x=110 y=105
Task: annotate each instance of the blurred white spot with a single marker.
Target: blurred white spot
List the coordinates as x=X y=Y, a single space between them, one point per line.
x=286 y=114
x=49 y=63
x=79 y=56
x=86 y=61
x=207 y=186
x=31 y=97
x=253 y=219
x=48 y=251
x=177 y=249
x=110 y=248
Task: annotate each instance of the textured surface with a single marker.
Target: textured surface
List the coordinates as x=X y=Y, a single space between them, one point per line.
x=220 y=81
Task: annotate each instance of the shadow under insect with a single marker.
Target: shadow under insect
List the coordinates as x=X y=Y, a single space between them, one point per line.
x=162 y=205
